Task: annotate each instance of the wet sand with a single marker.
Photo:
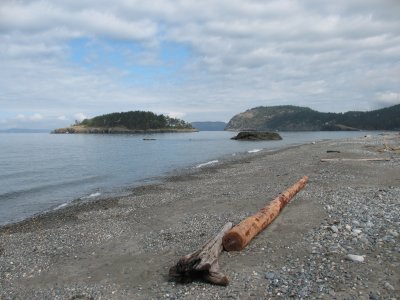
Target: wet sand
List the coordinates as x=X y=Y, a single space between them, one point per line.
x=122 y=248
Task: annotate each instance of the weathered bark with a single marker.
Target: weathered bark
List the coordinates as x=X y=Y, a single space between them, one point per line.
x=354 y=159
x=240 y=235
x=203 y=263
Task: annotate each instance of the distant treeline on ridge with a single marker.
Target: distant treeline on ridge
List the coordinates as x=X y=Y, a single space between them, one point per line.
x=295 y=118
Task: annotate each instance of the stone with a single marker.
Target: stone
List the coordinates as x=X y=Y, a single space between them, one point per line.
x=334 y=229
x=355 y=258
x=369 y=224
x=269 y=275
x=257 y=136
x=388 y=286
x=373 y=296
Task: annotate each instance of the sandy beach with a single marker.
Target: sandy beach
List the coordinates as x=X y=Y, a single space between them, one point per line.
x=123 y=247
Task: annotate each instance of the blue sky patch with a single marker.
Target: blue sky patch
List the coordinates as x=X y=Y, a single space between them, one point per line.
x=141 y=65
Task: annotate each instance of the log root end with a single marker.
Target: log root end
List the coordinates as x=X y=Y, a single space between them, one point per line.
x=232 y=241
x=184 y=275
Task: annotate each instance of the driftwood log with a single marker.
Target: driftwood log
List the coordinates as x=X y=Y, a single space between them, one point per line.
x=355 y=159
x=240 y=235
x=203 y=263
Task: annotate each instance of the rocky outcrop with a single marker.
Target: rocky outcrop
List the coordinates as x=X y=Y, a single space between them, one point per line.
x=257 y=136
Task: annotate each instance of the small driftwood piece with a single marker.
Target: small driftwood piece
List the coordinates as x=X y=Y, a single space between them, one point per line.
x=354 y=159
x=240 y=235
x=203 y=263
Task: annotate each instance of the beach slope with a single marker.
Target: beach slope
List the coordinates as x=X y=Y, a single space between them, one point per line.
x=122 y=248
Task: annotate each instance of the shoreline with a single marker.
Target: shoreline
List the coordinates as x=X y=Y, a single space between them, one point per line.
x=118 y=190
x=87 y=201
x=158 y=179
x=117 y=130
x=122 y=247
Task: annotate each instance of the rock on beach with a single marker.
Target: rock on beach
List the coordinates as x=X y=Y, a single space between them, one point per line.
x=355 y=258
x=257 y=136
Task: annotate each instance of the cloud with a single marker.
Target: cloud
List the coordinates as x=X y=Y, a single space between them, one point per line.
x=32 y=118
x=39 y=16
x=226 y=56
x=175 y=114
x=20 y=117
x=62 y=118
x=387 y=99
x=36 y=117
x=80 y=116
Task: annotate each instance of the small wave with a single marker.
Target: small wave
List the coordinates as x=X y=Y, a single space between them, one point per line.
x=207 y=163
x=47 y=187
x=92 y=195
x=254 y=151
x=61 y=206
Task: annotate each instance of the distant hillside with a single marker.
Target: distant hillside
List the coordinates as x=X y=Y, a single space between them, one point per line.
x=209 y=126
x=295 y=118
x=128 y=122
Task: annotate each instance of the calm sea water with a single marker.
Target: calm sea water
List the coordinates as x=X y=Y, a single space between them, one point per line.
x=41 y=171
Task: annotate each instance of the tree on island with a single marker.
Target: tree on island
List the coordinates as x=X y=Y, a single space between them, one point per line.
x=136 y=120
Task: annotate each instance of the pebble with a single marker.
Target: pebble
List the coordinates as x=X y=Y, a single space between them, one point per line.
x=269 y=275
x=369 y=224
x=388 y=286
x=334 y=229
x=355 y=258
x=373 y=296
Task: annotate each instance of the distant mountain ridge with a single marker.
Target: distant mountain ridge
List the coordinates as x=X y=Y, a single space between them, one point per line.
x=296 y=118
x=24 y=130
x=209 y=126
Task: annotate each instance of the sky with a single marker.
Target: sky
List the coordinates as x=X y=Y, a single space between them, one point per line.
x=66 y=60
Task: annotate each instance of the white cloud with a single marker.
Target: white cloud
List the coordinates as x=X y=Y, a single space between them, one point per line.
x=388 y=98
x=334 y=56
x=39 y=16
x=80 y=116
x=176 y=114
x=20 y=117
x=36 y=117
x=62 y=118
x=31 y=118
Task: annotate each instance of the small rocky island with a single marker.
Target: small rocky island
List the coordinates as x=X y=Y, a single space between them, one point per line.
x=257 y=136
x=128 y=122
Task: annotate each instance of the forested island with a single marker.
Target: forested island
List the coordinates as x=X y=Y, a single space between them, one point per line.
x=128 y=122
x=295 y=118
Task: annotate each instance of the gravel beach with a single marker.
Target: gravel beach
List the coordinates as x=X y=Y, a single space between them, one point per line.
x=337 y=239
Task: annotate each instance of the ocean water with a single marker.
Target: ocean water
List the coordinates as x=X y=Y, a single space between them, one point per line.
x=41 y=171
